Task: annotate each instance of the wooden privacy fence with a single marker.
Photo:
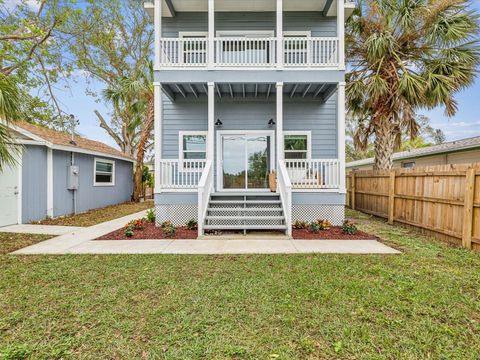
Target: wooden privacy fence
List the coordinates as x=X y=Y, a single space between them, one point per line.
x=441 y=199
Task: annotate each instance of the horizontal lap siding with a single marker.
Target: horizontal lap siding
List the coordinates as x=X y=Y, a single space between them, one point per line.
x=62 y=197
x=34 y=183
x=315 y=22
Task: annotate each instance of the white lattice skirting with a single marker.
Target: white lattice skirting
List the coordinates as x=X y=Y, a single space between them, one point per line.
x=334 y=213
x=177 y=214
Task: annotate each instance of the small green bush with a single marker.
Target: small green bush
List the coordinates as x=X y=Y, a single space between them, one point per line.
x=168 y=229
x=192 y=224
x=150 y=215
x=349 y=228
x=166 y=224
x=314 y=227
x=300 y=224
x=128 y=231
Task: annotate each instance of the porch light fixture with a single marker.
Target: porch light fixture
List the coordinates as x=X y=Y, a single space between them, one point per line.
x=271 y=122
x=218 y=123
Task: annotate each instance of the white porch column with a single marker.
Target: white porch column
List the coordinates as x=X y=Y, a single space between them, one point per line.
x=280 y=34
x=341 y=33
x=158 y=122
x=211 y=121
x=341 y=134
x=279 y=127
x=157 y=21
x=211 y=34
x=49 y=182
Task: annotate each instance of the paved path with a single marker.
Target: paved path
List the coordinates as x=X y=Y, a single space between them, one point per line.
x=40 y=229
x=81 y=241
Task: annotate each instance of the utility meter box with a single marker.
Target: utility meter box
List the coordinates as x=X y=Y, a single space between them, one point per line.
x=73 y=174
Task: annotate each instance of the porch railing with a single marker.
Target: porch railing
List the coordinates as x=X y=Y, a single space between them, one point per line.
x=314 y=173
x=242 y=52
x=205 y=188
x=180 y=174
x=285 y=189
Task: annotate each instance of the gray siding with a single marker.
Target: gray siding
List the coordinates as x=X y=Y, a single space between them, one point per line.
x=34 y=183
x=186 y=114
x=315 y=22
x=62 y=198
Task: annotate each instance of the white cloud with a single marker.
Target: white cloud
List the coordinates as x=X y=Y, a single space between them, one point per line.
x=34 y=5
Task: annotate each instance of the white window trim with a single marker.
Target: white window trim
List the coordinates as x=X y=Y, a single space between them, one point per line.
x=309 y=141
x=201 y=34
x=260 y=33
x=298 y=33
x=181 y=159
x=95 y=172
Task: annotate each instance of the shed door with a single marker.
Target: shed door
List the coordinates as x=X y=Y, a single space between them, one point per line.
x=8 y=195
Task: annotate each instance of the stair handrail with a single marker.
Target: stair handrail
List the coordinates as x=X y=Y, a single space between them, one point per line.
x=284 y=187
x=205 y=187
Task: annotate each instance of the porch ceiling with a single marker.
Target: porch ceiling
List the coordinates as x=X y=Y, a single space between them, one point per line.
x=316 y=91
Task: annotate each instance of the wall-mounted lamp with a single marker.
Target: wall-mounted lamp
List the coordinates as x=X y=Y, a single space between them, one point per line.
x=218 y=123
x=271 y=122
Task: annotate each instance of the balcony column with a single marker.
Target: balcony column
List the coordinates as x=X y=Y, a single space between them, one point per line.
x=279 y=34
x=341 y=33
x=158 y=123
x=211 y=34
x=279 y=128
x=211 y=121
x=341 y=135
x=157 y=21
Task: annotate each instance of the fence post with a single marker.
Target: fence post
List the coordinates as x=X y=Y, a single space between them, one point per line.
x=391 y=197
x=468 y=208
x=352 y=187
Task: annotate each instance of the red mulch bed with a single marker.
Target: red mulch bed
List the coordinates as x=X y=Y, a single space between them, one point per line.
x=150 y=231
x=335 y=233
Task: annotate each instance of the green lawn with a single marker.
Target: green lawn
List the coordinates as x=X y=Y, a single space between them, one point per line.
x=10 y=241
x=421 y=304
x=98 y=216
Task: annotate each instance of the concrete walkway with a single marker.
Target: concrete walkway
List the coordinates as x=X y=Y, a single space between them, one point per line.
x=81 y=241
x=40 y=229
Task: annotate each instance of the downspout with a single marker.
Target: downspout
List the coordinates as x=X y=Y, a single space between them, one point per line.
x=72 y=162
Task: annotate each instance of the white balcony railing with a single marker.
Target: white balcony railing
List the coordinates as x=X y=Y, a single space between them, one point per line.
x=242 y=52
x=314 y=173
x=176 y=174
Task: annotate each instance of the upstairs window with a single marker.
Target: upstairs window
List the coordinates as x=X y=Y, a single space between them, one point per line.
x=104 y=172
x=297 y=145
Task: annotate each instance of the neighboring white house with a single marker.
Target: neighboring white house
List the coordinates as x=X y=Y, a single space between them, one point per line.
x=56 y=176
x=244 y=88
x=464 y=151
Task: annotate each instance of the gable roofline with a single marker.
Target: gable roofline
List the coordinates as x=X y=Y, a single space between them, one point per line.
x=37 y=139
x=445 y=148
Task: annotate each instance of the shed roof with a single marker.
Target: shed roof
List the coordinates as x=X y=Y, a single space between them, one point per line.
x=63 y=140
x=452 y=146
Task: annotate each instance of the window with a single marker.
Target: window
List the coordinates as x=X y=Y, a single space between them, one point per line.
x=297 y=145
x=408 y=165
x=104 y=172
x=192 y=146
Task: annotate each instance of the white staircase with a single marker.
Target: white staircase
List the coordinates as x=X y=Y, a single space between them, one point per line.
x=245 y=211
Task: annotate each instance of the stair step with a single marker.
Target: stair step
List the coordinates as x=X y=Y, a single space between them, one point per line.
x=244 y=194
x=245 y=202
x=250 y=209
x=241 y=217
x=245 y=227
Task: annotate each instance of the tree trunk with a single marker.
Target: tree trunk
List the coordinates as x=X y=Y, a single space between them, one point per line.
x=142 y=143
x=384 y=144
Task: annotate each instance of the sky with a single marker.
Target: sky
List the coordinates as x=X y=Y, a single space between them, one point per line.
x=466 y=122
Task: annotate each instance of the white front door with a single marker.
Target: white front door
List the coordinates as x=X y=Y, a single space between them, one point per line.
x=9 y=192
x=245 y=159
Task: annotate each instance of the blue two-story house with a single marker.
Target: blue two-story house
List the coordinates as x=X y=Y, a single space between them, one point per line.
x=249 y=112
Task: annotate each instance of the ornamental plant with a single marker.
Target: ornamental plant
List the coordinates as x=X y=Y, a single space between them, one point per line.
x=192 y=224
x=349 y=228
x=128 y=230
x=314 y=227
x=324 y=224
x=300 y=224
x=150 y=217
x=168 y=229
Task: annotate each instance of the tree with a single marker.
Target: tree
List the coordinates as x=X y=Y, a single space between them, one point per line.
x=9 y=111
x=113 y=40
x=134 y=94
x=406 y=55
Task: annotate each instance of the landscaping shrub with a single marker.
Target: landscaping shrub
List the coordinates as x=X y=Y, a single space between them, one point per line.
x=192 y=224
x=314 y=227
x=349 y=228
x=150 y=215
x=129 y=230
x=324 y=224
x=168 y=229
x=300 y=224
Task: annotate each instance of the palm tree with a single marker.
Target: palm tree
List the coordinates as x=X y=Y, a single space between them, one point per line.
x=406 y=55
x=10 y=102
x=134 y=94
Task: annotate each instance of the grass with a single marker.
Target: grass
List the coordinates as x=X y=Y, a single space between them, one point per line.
x=421 y=304
x=10 y=241
x=98 y=216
